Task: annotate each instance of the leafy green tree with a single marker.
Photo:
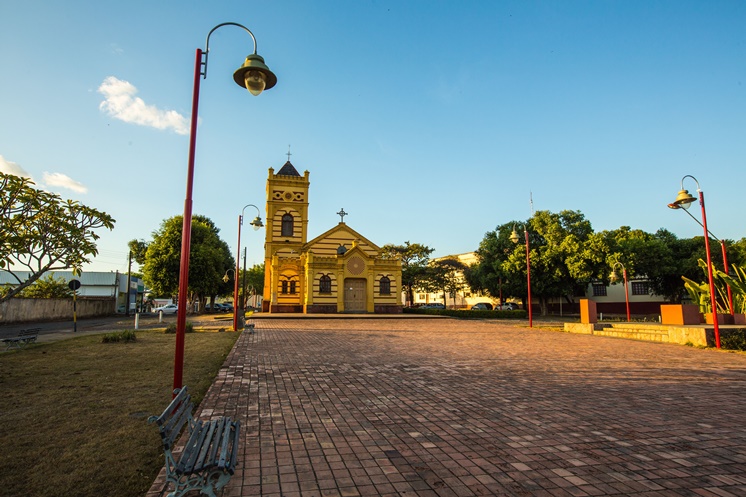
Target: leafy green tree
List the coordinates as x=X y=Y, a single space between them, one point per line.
x=414 y=261
x=48 y=287
x=210 y=258
x=444 y=275
x=562 y=262
x=40 y=232
x=139 y=250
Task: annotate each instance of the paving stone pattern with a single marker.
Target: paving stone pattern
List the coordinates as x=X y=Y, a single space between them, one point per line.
x=459 y=408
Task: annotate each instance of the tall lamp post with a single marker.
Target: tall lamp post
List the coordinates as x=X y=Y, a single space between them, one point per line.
x=256 y=77
x=684 y=199
x=514 y=238
x=256 y=223
x=615 y=277
x=722 y=249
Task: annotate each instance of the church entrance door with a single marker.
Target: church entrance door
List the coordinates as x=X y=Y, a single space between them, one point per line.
x=355 y=294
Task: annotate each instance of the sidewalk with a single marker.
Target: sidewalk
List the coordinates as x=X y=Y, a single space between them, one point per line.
x=456 y=408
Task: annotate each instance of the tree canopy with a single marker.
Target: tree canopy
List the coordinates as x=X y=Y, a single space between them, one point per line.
x=210 y=259
x=566 y=255
x=414 y=261
x=41 y=232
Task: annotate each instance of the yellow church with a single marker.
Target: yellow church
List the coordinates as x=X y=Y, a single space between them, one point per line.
x=339 y=271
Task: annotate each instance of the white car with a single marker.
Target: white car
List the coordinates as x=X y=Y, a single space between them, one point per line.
x=167 y=309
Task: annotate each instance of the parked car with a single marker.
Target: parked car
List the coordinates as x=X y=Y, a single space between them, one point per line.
x=434 y=305
x=216 y=307
x=509 y=306
x=228 y=307
x=166 y=309
x=482 y=306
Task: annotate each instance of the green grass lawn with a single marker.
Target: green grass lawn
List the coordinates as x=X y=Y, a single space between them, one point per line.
x=73 y=415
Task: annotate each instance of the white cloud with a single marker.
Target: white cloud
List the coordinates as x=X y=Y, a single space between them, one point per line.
x=64 y=181
x=8 y=167
x=121 y=103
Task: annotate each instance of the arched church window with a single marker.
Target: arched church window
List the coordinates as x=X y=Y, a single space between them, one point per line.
x=284 y=284
x=293 y=289
x=325 y=284
x=287 y=225
x=385 y=286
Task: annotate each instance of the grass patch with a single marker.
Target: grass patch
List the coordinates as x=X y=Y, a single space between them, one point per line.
x=74 y=413
x=119 y=336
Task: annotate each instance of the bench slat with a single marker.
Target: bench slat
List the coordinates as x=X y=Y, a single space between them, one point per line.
x=206 y=457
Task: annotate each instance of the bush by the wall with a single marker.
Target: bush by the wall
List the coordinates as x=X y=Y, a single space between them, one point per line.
x=468 y=314
x=188 y=328
x=734 y=339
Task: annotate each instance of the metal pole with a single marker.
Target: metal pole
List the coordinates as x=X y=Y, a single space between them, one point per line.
x=725 y=267
x=713 y=298
x=186 y=233
x=235 y=276
x=243 y=282
x=528 y=277
x=626 y=291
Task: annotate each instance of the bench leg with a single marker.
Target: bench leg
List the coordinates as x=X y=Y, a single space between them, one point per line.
x=208 y=484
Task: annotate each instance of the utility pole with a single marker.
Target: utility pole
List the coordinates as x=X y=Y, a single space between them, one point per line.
x=129 y=278
x=243 y=283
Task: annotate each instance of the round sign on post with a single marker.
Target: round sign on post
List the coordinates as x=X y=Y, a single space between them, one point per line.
x=74 y=285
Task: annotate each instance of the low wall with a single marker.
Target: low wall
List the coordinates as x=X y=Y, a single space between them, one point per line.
x=33 y=310
x=702 y=336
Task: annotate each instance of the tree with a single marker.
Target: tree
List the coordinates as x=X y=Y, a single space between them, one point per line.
x=444 y=275
x=139 y=250
x=560 y=262
x=40 y=232
x=414 y=260
x=210 y=259
x=48 y=287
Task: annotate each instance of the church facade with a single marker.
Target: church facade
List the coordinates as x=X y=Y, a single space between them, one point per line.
x=339 y=271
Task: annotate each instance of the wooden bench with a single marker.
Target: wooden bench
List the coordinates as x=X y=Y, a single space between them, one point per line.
x=23 y=338
x=208 y=459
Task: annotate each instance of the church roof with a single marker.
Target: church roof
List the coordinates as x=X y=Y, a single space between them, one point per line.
x=351 y=234
x=288 y=170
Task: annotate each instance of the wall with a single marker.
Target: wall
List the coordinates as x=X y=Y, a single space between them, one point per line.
x=32 y=310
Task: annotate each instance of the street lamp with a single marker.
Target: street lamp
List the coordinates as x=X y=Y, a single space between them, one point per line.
x=514 y=238
x=684 y=200
x=255 y=76
x=615 y=277
x=722 y=249
x=256 y=223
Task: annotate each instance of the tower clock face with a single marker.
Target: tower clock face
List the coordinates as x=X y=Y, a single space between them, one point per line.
x=288 y=196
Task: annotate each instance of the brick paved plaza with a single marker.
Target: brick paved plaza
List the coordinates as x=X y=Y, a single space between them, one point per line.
x=445 y=407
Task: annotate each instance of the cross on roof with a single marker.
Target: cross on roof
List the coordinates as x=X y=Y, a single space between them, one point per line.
x=342 y=215
x=289 y=154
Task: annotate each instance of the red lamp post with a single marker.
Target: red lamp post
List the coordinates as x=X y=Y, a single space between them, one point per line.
x=722 y=249
x=684 y=199
x=614 y=277
x=514 y=238
x=256 y=223
x=256 y=77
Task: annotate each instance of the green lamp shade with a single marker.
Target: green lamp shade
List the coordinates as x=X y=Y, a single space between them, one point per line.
x=254 y=75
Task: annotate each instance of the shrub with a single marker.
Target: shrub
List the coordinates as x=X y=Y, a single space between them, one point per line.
x=120 y=336
x=188 y=328
x=734 y=339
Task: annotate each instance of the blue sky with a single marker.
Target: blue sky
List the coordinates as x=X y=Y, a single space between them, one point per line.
x=427 y=121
